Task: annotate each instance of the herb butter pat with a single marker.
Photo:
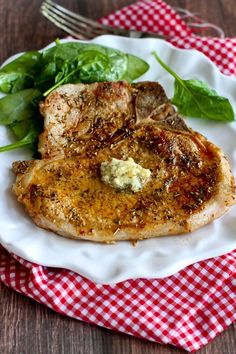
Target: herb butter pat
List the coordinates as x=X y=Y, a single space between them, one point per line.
x=124 y=174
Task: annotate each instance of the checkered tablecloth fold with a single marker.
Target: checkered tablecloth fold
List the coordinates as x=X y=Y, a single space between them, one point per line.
x=157 y=16
x=187 y=309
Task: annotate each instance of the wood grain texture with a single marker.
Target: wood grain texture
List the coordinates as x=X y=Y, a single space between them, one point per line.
x=27 y=327
x=30 y=328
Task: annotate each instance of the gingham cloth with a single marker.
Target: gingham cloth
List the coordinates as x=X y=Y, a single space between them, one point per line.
x=186 y=310
x=157 y=16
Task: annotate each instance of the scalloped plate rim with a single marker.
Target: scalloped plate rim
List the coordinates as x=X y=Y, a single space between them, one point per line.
x=13 y=244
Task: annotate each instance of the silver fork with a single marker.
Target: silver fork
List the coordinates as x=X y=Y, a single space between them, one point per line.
x=82 y=27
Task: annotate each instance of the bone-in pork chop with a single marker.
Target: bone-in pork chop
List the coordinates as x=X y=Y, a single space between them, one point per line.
x=190 y=185
x=80 y=117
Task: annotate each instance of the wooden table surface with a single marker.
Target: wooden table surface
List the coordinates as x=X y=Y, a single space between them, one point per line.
x=27 y=327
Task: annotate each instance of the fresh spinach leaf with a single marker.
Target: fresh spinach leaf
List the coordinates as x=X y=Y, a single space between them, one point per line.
x=20 y=129
x=196 y=99
x=91 y=66
x=29 y=140
x=46 y=77
x=98 y=66
x=20 y=73
x=124 y=66
x=19 y=106
x=88 y=63
x=136 y=67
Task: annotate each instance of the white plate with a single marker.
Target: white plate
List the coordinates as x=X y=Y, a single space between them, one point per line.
x=155 y=258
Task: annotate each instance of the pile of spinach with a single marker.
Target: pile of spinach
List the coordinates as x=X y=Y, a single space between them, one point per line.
x=33 y=75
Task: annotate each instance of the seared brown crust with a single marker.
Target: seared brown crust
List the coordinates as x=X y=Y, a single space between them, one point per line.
x=191 y=185
x=151 y=102
x=79 y=118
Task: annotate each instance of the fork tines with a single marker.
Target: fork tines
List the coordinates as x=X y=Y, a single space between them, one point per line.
x=83 y=27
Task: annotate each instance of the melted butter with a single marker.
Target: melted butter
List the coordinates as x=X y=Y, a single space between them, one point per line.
x=124 y=174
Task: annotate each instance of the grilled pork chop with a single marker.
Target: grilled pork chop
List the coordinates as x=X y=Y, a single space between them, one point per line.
x=81 y=117
x=190 y=185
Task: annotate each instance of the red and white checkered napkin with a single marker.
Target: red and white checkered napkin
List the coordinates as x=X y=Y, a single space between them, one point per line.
x=187 y=309
x=157 y=16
